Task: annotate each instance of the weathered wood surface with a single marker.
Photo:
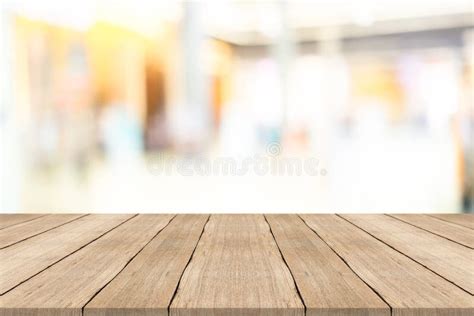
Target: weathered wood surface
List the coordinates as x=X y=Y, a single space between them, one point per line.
x=21 y=261
x=325 y=282
x=66 y=287
x=448 y=230
x=408 y=287
x=444 y=257
x=147 y=285
x=28 y=229
x=7 y=220
x=466 y=220
x=144 y=265
x=237 y=267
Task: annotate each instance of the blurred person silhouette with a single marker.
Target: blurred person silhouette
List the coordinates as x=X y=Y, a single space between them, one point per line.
x=121 y=133
x=75 y=112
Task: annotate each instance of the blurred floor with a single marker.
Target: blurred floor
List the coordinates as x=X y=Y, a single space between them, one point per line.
x=361 y=177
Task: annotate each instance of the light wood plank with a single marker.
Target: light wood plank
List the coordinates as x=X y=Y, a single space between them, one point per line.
x=7 y=220
x=22 y=231
x=326 y=283
x=408 y=287
x=466 y=220
x=147 y=285
x=237 y=270
x=457 y=233
x=25 y=259
x=67 y=286
x=450 y=260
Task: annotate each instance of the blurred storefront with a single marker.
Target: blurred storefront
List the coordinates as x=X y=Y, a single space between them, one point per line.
x=96 y=92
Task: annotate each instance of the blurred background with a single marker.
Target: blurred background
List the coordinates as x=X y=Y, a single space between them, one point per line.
x=94 y=93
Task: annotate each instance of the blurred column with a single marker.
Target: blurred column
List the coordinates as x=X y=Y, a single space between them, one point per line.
x=10 y=147
x=284 y=50
x=332 y=90
x=194 y=116
x=329 y=48
x=467 y=123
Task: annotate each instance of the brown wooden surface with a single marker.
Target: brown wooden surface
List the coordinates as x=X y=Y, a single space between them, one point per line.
x=28 y=229
x=408 y=287
x=444 y=257
x=147 y=285
x=143 y=265
x=237 y=266
x=466 y=220
x=21 y=261
x=448 y=230
x=325 y=282
x=7 y=220
x=69 y=285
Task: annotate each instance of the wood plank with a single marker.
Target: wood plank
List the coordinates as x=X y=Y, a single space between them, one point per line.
x=466 y=220
x=326 y=283
x=7 y=220
x=237 y=270
x=450 y=260
x=408 y=287
x=147 y=285
x=25 y=259
x=67 y=286
x=456 y=233
x=22 y=231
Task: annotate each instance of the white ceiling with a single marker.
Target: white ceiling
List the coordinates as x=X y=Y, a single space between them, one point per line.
x=253 y=22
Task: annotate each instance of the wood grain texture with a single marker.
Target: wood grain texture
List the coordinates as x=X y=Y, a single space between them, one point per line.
x=408 y=287
x=117 y=265
x=448 y=259
x=327 y=285
x=66 y=287
x=237 y=270
x=454 y=232
x=22 y=231
x=147 y=285
x=466 y=220
x=7 y=220
x=25 y=259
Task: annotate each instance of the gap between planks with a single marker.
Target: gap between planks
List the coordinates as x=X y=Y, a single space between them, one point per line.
x=127 y=263
x=26 y=236
x=187 y=264
x=151 y=287
x=15 y=219
x=350 y=268
x=45 y=293
x=410 y=287
x=407 y=256
x=49 y=265
x=274 y=239
x=430 y=230
x=236 y=256
x=286 y=263
x=467 y=221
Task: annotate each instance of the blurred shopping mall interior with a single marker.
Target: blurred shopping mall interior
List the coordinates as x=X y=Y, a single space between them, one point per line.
x=108 y=106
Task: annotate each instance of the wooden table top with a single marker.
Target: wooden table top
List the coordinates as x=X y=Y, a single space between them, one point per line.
x=79 y=264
